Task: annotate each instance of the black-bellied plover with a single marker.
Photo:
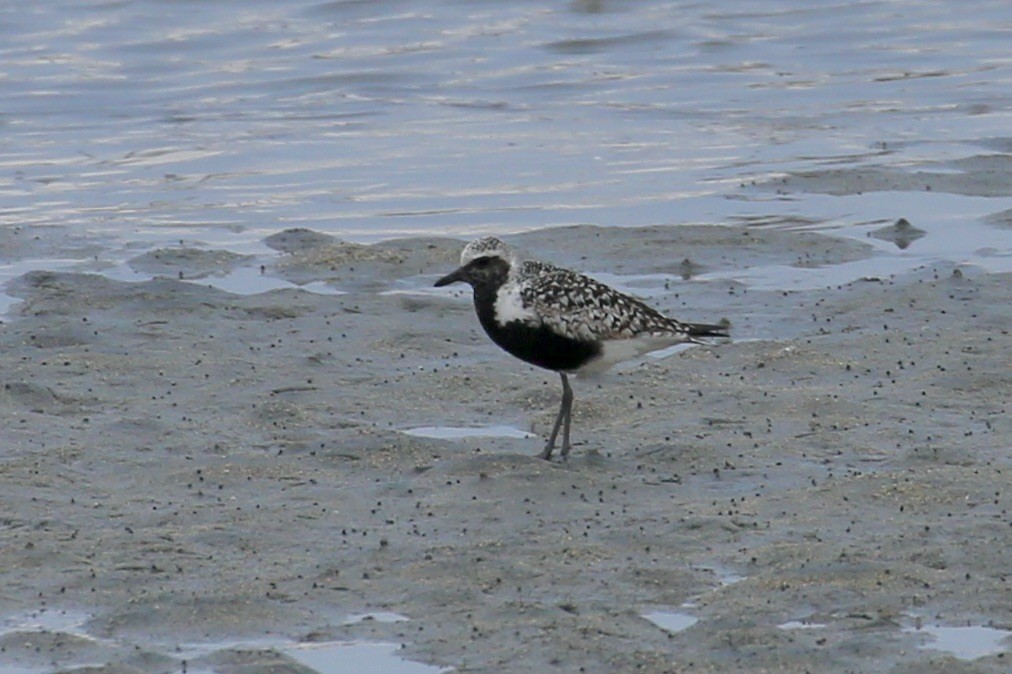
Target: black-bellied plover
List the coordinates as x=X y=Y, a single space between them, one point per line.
x=562 y=320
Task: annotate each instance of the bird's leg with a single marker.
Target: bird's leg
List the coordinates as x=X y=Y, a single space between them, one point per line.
x=567 y=402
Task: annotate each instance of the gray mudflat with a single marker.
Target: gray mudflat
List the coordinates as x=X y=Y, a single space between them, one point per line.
x=184 y=465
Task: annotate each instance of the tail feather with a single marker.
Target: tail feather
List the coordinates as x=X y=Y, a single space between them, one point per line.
x=708 y=330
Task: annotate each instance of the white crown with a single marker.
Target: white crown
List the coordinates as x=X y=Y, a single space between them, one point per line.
x=487 y=247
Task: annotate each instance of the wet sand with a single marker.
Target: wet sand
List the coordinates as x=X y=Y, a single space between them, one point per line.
x=185 y=465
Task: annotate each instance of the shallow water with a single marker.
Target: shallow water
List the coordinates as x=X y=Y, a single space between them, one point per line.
x=671 y=621
x=150 y=122
x=330 y=657
x=343 y=658
x=325 y=657
x=800 y=625
x=968 y=642
x=464 y=432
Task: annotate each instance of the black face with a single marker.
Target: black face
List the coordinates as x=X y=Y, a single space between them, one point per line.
x=484 y=271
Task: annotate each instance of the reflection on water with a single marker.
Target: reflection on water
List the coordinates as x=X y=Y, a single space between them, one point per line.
x=353 y=658
x=325 y=657
x=671 y=621
x=800 y=625
x=464 y=432
x=44 y=620
x=965 y=643
x=149 y=121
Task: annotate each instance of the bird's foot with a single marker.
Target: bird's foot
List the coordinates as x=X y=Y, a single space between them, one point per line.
x=546 y=454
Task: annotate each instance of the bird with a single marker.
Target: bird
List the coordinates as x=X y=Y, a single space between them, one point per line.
x=562 y=320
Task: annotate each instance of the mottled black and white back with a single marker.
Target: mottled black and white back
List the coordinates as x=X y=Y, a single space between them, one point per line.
x=562 y=320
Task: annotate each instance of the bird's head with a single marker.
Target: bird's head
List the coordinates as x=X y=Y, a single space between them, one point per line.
x=483 y=263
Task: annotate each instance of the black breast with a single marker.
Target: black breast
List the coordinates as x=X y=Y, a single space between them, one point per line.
x=538 y=345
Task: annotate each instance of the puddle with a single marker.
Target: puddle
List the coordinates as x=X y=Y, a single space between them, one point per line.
x=330 y=657
x=461 y=432
x=786 y=277
x=800 y=625
x=325 y=657
x=20 y=670
x=724 y=576
x=68 y=622
x=64 y=623
x=249 y=281
x=429 y=290
x=246 y=280
x=378 y=616
x=965 y=643
x=321 y=288
x=353 y=658
x=671 y=621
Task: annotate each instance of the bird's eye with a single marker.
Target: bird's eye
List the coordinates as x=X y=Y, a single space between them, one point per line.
x=482 y=262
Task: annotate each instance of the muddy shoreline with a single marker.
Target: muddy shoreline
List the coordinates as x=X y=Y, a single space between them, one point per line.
x=182 y=464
